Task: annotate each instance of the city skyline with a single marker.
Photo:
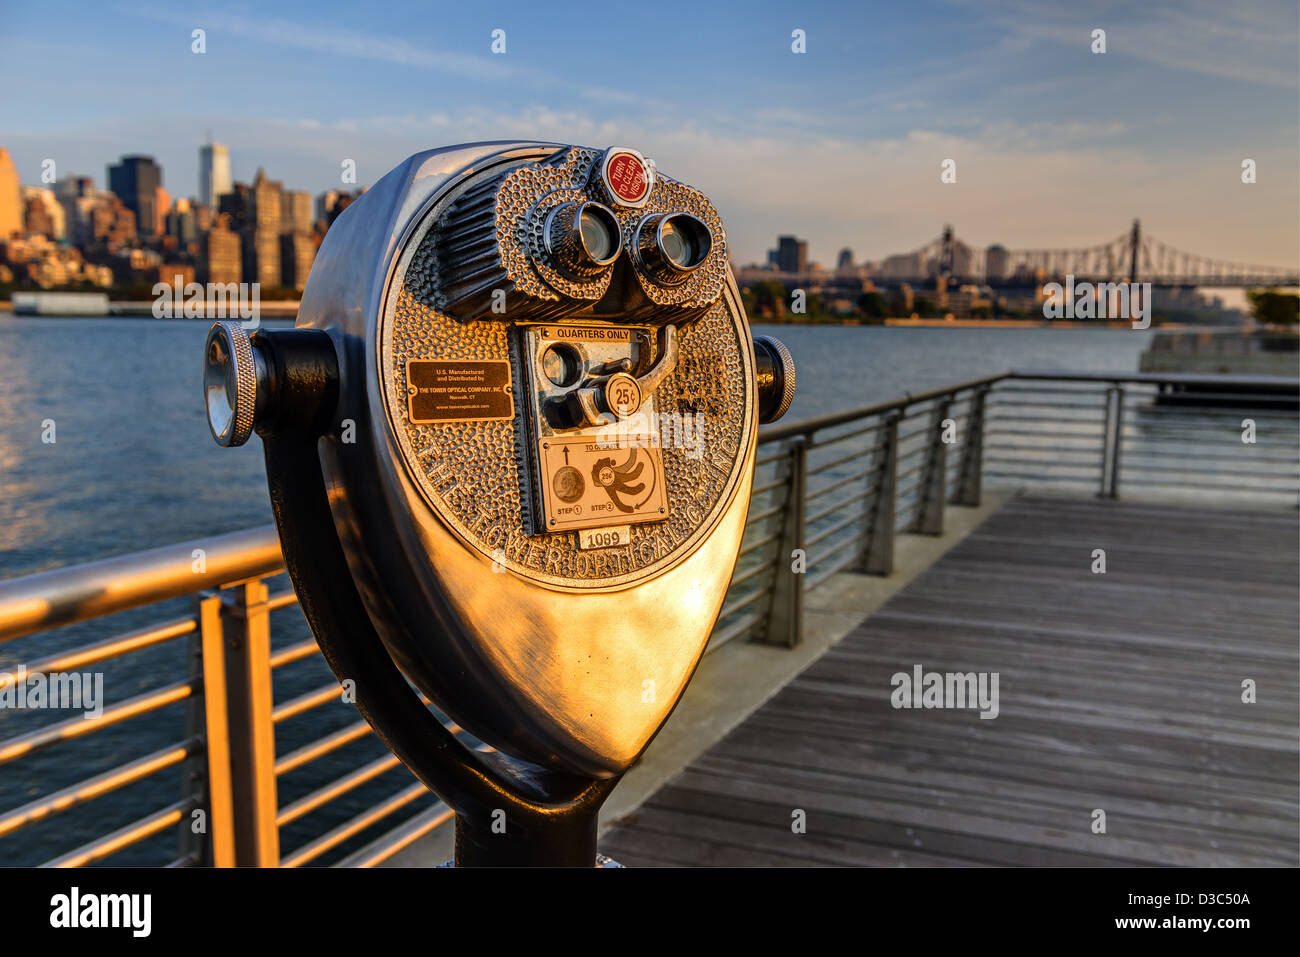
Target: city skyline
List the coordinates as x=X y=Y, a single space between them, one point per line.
x=841 y=144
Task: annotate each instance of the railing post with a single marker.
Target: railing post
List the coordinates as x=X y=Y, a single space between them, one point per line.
x=929 y=514
x=215 y=768
x=1114 y=424
x=970 y=471
x=246 y=627
x=878 y=559
x=785 y=611
x=1117 y=441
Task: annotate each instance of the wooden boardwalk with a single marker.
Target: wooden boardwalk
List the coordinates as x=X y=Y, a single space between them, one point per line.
x=1119 y=692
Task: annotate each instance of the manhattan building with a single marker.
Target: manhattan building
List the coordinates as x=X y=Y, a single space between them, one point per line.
x=137 y=181
x=11 y=202
x=214 y=173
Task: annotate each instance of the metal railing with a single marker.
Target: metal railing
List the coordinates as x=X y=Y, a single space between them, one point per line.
x=830 y=495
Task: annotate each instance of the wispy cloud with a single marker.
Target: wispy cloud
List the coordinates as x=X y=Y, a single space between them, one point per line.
x=1210 y=37
x=337 y=42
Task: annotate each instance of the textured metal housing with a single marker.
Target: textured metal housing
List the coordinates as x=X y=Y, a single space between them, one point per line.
x=555 y=669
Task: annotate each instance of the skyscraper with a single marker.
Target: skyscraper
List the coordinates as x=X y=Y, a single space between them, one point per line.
x=11 y=203
x=297 y=251
x=995 y=262
x=262 y=254
x=135 y=181
x=181 y=222
x=791 y=254
x=223 y=252
x=78 y=196
x=214 y=173
x=42 y=212
x=296 y=212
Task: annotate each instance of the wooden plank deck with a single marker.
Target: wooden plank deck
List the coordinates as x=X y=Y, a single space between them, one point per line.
x=1119 y=691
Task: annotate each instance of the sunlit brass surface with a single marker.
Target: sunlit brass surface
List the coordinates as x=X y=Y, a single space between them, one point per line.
x=570 y=657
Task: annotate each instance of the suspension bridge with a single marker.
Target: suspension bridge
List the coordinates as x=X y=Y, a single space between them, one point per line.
x=1133 y=256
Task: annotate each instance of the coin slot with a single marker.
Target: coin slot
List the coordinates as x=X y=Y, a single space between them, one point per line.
x=562 y=365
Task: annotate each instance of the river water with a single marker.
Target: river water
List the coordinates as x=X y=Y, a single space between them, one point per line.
x=131 y=466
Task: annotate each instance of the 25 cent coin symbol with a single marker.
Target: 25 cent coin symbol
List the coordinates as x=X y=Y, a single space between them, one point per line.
x=568 y=484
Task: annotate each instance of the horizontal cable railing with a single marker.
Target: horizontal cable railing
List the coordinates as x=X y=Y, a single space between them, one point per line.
x=829 y=496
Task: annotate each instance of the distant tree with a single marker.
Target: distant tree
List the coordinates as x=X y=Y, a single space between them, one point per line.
x=873 y=305
x=1275 y=308
x=924 y=308
x=981 y=312
x=769 y=299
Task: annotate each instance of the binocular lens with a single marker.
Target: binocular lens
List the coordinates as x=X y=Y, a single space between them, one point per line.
x=583 y=239
x=670 y=246
x=685 y=241
x=599 y=234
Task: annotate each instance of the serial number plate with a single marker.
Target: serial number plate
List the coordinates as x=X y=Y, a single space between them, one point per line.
x=605 y=537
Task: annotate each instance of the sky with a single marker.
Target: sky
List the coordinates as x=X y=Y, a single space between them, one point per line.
x=1054 y=145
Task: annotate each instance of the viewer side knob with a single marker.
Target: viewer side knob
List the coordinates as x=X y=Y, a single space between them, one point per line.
x=774 y=367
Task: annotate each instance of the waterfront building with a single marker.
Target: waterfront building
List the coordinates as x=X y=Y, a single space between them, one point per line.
x=901 y=266
x=214 y=173
x=297 y=211
x=223 y=255
x=78 y=197
x=162 y=203
x=135 y=181
x=262 y=242
x=995 y=262
x=297 y=252
x=111 y=222
x=11 y=203
x=42 y=212
x=791 y=255
x=181 y=222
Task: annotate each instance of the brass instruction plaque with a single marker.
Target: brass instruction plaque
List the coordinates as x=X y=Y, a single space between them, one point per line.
x=586 y=485
x=458 y=390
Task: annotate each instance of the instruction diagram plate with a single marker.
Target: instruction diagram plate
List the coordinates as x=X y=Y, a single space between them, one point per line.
x=587 y=483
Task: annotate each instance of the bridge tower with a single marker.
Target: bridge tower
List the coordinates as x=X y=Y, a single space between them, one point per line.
x=1134 y=241
x=946 y=253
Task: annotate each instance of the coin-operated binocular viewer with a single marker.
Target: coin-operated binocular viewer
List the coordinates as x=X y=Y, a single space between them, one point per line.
x=510 y=446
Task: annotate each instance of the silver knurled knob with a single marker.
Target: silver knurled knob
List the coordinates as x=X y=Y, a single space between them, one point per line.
x=229 y=383
x=775 y=369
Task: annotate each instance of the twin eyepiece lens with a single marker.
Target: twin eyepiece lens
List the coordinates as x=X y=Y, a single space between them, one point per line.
x=583 y=239
x=670 y=246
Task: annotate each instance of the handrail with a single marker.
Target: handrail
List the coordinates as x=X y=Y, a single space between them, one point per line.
x=805 y=426
x=67 y=595
x=1160 y=378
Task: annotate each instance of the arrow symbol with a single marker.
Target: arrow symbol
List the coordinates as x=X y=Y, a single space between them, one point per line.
x=566 y=456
